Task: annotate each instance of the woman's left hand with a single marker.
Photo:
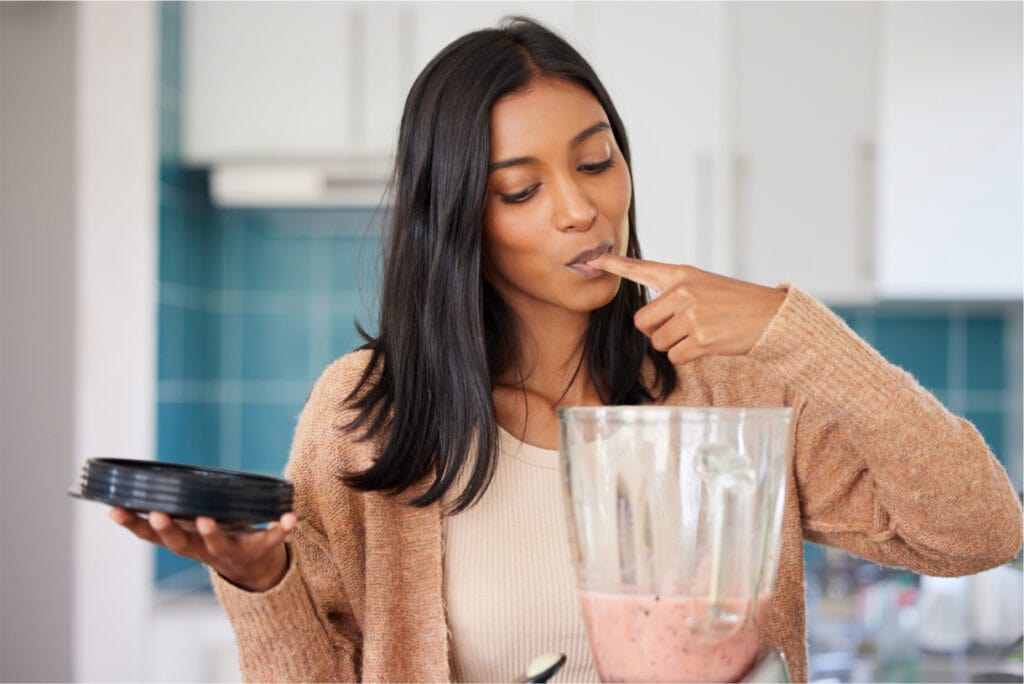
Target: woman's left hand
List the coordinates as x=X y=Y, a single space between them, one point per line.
x=697 y=313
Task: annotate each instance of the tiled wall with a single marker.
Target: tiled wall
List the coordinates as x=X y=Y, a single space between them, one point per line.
x=259 y=303
x=243 y=338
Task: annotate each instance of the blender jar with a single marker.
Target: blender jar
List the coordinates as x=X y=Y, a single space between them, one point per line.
x=674 y=515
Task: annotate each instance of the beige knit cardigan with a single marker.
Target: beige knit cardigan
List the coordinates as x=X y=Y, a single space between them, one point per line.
x=880 y=468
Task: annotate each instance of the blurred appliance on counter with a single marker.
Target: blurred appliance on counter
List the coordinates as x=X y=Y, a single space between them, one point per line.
x=868 y=623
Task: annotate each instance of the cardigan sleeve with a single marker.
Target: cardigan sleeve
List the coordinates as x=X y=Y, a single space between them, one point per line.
x=304 y=628
x=282 y=634
x=882 y=468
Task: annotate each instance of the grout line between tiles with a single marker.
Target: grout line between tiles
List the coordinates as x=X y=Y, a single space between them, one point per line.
x=956 y=360
x=232 y=346
x=318 y=307
x=1013 y=425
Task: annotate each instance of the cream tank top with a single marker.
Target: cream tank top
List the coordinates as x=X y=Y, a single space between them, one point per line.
x=509 y=581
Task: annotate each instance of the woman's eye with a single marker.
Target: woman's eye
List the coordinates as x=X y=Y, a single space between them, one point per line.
x=598 y=167
x=522 y=196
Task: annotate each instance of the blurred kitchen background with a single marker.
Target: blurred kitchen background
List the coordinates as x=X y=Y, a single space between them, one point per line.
x=191 y=197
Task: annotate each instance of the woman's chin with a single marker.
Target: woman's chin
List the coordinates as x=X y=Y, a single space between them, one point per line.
x=596 y=297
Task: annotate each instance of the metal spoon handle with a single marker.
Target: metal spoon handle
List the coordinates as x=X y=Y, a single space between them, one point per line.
x=542 y=668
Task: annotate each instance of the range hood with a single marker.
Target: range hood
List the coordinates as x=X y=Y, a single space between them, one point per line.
x=352 y=182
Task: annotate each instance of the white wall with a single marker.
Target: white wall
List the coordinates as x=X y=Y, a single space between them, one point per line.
x=115 y=327
x=79 y=274
x=37 y=277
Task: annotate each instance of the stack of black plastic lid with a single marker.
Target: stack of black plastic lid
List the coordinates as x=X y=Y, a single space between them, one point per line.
x=185 y=491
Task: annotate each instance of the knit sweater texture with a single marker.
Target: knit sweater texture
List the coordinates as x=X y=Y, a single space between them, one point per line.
x=879 y=468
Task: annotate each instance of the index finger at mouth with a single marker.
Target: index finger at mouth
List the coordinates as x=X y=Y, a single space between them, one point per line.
x=649 y=273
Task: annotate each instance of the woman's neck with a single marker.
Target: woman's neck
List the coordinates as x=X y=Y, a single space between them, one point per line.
x=551 y=363
x=550 y=370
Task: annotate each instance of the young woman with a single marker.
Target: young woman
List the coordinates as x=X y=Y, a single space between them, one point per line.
x=429 y=543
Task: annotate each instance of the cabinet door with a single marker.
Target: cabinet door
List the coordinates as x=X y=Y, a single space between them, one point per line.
x=665 y=67
x=267 y=80
x=951 y=223
x=294 y=81
x=388 y=71
x=805 y=136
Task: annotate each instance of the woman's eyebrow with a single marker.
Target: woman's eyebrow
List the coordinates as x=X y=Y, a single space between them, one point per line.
x=602 y=126
x=580 y=137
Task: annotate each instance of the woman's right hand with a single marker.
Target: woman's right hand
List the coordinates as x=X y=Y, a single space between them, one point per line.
x=254 y=560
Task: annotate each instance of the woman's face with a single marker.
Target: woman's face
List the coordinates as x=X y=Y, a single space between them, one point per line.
x=558 y=189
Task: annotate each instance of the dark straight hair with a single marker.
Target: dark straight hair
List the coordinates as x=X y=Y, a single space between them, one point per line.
x=445 y=335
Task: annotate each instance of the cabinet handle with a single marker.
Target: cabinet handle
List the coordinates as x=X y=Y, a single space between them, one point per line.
x=408 y=47
x=739 y=217
x=864 y=196
x=357 y=74
x=703 y=209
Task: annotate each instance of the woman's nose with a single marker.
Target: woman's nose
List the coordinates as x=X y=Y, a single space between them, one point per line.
x=573 y=208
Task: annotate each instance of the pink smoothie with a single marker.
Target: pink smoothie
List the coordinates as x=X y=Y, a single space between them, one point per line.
x=647 y=638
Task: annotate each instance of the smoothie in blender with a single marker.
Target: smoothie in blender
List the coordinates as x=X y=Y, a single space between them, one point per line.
x=674 y=516
x=649 y=638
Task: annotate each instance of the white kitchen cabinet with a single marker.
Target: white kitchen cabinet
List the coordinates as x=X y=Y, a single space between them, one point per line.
x=861 y=150
x=879 y=149
x=950 y=143
x=254 y=77
x=299 y=103
x=293 y=81
x=805 y=146
x=752 y=132
x=297 y=81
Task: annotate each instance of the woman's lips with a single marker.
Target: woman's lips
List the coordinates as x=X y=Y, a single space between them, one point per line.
x=579 y=263
x=586 y=270
x=589 y=254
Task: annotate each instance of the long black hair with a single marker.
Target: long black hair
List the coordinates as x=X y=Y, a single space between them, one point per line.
x=445 y=334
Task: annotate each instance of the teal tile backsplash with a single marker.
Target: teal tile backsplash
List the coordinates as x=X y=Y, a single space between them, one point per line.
x=244 y=335
x=266 y=434
x=986 y=345
x=276 y=261
x=919 y=345
x=190 y=430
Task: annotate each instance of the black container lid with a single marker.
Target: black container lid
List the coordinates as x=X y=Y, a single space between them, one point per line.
x=185 y=491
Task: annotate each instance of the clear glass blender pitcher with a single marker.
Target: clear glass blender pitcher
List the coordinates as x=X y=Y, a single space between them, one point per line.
x=674 y=515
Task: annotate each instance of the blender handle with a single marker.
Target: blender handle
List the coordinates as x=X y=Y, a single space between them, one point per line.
x=725 y=471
